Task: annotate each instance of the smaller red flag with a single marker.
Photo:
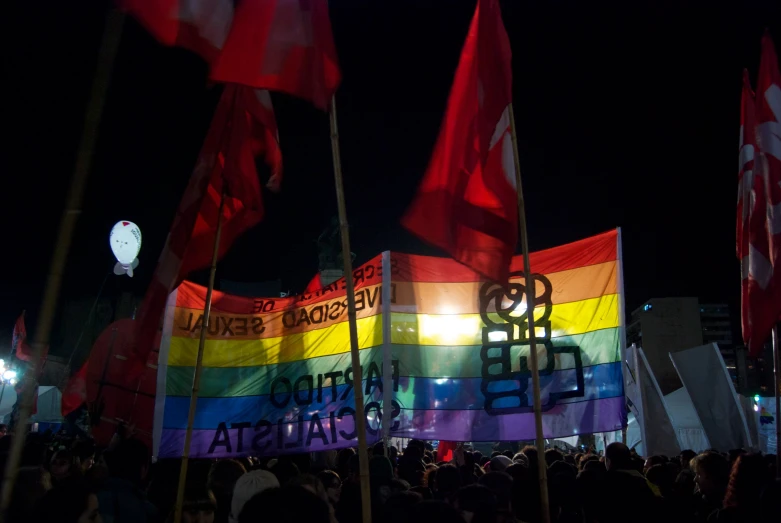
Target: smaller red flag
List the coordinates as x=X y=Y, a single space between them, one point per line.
x=281 y=45
x=314 y=285
x=19 y=346
x=445 y=450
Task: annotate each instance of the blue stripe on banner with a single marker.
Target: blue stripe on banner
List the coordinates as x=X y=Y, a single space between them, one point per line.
x=337 y=429
x=598 y=382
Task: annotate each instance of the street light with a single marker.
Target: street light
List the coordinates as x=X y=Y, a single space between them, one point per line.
x=7 y=376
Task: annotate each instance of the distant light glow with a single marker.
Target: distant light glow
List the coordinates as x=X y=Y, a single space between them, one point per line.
x=9 y=374
x=756 y=397
x=497 y=336
x=756 y=408
x=455 y=330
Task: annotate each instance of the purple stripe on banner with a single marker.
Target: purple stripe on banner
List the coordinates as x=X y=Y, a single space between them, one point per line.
x=563 y=420
x=333 y=432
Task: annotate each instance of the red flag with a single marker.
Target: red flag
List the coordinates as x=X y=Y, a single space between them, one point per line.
x=19 y=345
x=282 y=45
x=315 y=284
x=445 y=451
x=467 y=201
x=198 y=25
x=226 y=163
x=75 y=393
x=759 y=202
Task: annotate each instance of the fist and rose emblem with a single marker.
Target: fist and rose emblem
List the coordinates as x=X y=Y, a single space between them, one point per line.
x=502 y=310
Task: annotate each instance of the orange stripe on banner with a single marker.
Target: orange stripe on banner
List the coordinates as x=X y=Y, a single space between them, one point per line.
x=420 y=298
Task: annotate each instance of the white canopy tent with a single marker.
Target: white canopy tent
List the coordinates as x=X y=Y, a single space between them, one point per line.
x=49 y=399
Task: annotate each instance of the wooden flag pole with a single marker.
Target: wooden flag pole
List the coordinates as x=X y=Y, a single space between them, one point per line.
x=542 y=473
x=360 y=415
x=107 y=53
x=777 y=395
x=207 y=308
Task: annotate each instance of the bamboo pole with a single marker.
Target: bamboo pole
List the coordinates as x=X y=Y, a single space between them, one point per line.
x=107 y=54
x=360 y=414
x=542 y=473
x=207 y=307
x=776 y=395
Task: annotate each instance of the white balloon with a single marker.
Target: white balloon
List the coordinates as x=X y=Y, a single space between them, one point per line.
x=125 y=241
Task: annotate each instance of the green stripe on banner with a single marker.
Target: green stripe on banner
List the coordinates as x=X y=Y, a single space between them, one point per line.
x=433 y=361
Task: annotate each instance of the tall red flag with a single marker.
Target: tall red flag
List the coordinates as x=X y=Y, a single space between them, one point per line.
x=22 y=351
x=282 y=45
x=226 y=163
x=467 y=201
x=759 y=202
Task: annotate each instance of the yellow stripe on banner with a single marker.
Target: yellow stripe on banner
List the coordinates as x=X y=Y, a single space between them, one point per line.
x=407 y=329
x=566 y=319
x=271 y=351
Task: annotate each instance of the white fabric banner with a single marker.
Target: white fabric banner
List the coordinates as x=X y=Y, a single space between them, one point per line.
x=659 y=436
x=705 y=378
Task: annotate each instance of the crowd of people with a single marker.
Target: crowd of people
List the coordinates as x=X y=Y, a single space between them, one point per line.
x=67 y=481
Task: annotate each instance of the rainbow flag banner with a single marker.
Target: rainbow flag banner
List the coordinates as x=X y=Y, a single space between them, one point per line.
x=443 y=354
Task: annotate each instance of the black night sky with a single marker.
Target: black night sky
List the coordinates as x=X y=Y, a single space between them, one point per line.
x=627 y=112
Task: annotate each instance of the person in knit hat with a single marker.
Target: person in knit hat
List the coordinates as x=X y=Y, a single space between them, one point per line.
x=248 y=486
x=499 y=463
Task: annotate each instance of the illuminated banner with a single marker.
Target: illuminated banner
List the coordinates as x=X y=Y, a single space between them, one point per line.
x=443 y=354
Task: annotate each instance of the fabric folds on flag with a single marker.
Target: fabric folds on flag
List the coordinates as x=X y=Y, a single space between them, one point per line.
x=467 y=201
x=282 y=45
x=226 y=164
x=759 y=202
x=198 y=25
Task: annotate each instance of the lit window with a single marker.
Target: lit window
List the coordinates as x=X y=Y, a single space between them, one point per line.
x=647 y=307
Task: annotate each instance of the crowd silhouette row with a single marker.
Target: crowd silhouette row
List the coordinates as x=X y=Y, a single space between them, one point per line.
x=71 y=481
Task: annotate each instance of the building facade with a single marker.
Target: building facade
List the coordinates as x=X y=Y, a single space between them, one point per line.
x=661 y=326
x=717 y=328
